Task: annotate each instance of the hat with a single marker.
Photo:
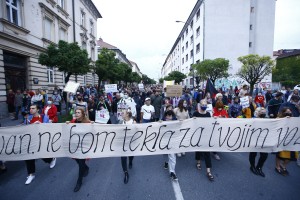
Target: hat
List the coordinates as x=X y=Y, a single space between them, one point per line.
x=147 y=99
x=278 y=94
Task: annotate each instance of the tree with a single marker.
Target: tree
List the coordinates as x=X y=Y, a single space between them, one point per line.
x=135 y=78
x=176 y=76
x=161 y=80
x=127 y=73
x=106 y=66
x=254 y=69
x=67 y=57
x=147 y=80
x=287 y=71
x=212 y=69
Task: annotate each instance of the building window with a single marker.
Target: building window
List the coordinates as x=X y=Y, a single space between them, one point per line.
x=192 y=24
x=198 y=14
x=198 y=31
x=182 y=60
x=182 y=37
x=186 y=57
x=250 y=44
x=250 y=26
x=93 y=53
x=13 y=11
x=82 y=18
x=62 y=34
x=92 y=27
x=84 y=79
x=186 y=31
x=182 y=49
x=83 y=45
x=63 y=77
x=50 y=74
x=186 y=45
x=61 y=3
x=49 y=29
x=198 y=48
x=197 y=61
x=252 y=9
x=192 y=39
x=192 y=53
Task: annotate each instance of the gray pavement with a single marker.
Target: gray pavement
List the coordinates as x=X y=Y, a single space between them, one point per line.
x=148 y=179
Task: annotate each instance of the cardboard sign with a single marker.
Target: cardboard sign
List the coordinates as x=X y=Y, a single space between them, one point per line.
x=102 y=116
x=71 y=87
x=174 y=91
x=166 y=83
x=245 y=102
x=110 y=88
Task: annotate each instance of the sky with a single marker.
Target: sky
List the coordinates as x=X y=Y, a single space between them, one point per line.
x=146 y=30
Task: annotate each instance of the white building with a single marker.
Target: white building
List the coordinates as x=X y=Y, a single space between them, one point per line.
x=135 y=68
x=27 y=27
x=223 y=29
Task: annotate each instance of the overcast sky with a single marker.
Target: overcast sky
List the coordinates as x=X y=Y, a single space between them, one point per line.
x=146 y=30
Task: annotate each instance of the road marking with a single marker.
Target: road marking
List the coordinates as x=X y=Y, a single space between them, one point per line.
x=177 y=190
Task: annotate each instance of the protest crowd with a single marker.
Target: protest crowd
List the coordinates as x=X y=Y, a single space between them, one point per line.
x=146 y=104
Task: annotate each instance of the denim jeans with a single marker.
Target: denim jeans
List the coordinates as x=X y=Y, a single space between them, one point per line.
x=146 y=121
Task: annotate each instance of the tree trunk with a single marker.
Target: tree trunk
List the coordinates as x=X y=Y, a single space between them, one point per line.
x=76 y=78
x=99 y=81
x=251 y=88
x=67 y=78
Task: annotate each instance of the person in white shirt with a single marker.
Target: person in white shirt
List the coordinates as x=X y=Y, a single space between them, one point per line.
x=130 y=102
x=147 y=111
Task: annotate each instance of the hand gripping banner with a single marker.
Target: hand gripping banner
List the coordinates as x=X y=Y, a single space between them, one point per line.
x=97 y=140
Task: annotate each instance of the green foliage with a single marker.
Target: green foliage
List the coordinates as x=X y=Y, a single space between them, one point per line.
x=255 y=68
x=67 y=57
x=287 y=71
x=147 y=80
x=135 y=78
x=212 y=69
x=161 y=80
x=107 y=66
x=176 y=76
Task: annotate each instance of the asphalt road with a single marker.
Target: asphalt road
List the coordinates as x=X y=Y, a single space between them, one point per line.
x=148 y=180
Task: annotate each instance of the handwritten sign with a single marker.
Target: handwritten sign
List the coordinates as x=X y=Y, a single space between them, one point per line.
x=71 y=87
x=245 y=102
x=174 y=91
x=110 y=88
x=85 y=140
x=102 y=116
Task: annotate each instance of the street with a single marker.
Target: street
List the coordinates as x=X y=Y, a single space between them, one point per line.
x=149 y=180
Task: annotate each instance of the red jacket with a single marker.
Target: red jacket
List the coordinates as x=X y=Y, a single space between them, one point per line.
x=52 y=113
x=222 y=113
x=260 y=100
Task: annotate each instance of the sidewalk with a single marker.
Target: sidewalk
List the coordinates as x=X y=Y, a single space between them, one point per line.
x=9 y=122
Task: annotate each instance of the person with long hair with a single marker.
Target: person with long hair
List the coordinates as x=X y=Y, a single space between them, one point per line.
x=181 y=113
x=127 y=119
x=203 y=113
x=80 y=117
x=284 y=157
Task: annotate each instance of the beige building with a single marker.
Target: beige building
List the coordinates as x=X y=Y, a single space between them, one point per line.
x=27 y=27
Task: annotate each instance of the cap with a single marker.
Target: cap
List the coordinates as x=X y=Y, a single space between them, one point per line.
x=147 y=99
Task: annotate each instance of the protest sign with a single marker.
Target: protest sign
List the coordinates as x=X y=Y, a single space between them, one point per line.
x=121 y=108
x=245 y=102
x=168 y=83
x=174 y=91
x=71 y=87
x=141 y=87
x=102 y=116
x=85 y=140
x=110 y=88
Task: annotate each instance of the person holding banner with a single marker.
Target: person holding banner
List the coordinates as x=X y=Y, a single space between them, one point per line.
x=170 y=162
x=127 y=119
x=81 y=104
x=203 y=113
x=260 y=112
x=80 y=117
x=284 y=157
x=36 y=118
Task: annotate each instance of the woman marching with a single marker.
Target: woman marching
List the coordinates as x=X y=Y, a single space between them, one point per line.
x=127 y=119
x=80 y=117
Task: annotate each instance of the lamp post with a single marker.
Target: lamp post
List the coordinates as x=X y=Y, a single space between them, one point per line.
x=178 y=21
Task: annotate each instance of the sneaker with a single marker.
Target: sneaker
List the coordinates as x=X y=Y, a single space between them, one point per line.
x=29 y=179
x=183 y=154
x=173 y=176
x=179 y=155
x=260 y=172
x=53 y=163
x=166 y=166
x=217 y=157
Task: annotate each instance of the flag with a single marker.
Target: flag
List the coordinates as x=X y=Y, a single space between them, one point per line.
x=210 y=88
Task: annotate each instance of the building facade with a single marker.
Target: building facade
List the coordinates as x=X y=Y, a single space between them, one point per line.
x=27 y=27
x=222 y=29
x=135 y=68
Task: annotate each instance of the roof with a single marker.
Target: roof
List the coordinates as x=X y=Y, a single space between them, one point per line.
x=103 y=44
x=293 y=53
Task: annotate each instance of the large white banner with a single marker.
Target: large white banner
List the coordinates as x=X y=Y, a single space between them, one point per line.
x=201 y=134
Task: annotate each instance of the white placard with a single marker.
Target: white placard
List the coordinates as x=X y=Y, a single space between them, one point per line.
x=110 y=88
x=245 y=102
x=71 y=87
x=102 y=116
x=85 y=140
x=141 y=87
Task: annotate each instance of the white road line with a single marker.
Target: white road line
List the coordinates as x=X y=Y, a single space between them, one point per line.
x=177 y=190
